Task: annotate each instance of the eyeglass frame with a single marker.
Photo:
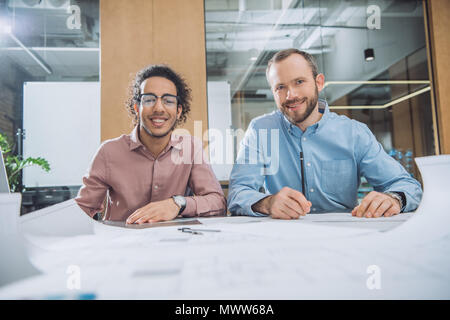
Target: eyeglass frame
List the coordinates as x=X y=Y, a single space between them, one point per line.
x=159 y=97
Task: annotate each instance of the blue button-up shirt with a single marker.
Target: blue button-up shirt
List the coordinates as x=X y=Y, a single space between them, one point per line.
x=337 y=151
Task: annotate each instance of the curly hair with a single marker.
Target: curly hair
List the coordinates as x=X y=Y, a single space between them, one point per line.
x=164 y=71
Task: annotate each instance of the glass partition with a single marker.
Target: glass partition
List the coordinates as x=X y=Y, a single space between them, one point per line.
x=50 y=97
x=373 y=55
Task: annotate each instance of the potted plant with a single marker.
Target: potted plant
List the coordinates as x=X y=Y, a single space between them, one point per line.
x=14 y=164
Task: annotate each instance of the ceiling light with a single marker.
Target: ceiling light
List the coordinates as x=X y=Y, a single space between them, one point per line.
x=386 y=105
x=369 y=54
x=6 y=29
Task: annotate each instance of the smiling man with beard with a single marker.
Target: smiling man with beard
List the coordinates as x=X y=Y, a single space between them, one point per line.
x=151 y=174
x=319 y=156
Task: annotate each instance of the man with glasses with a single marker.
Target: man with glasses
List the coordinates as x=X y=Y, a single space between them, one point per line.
x=320 y=155
x=149 y=175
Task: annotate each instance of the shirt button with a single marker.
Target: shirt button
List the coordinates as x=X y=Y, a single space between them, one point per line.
x=156 y=187
x=309 y=164
x=304 y=139
x=311 y=190
x=313 y=209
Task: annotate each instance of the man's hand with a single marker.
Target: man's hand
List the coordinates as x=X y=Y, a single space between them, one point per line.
x=376 y=204
x=286 y=204
x=155 y=211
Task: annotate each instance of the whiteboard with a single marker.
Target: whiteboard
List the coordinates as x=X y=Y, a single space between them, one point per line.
x=62 y=124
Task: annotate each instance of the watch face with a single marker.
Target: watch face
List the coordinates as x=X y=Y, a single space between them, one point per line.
x=181 y=201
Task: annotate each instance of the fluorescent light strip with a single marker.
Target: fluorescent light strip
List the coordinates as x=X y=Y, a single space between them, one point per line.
x=398 y=100
x=65 y=49
x=32 y=55
x=378 y=82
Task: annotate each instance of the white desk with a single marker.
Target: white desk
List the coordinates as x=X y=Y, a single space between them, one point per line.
x=332 y=256
x=251 y=258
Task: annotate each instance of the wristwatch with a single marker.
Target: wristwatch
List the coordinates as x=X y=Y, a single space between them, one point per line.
x=180 y=201
x=398 y=197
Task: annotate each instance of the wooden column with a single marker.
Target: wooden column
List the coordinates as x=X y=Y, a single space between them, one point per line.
x=439 y=40
x=136 y=33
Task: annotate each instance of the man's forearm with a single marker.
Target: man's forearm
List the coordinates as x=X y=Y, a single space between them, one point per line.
x=205 y=205
x=262 y=206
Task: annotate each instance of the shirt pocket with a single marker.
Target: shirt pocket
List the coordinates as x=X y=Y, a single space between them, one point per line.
x=337 y=176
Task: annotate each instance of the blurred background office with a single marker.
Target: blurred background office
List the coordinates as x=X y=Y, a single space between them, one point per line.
x=65 y=66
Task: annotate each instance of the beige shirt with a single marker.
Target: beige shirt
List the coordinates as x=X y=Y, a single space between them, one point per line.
x=125 y=172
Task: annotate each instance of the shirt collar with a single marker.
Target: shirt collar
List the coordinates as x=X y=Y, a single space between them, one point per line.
x=175 y=141
x=293 y=129
x=324 y=109
x=134 y=139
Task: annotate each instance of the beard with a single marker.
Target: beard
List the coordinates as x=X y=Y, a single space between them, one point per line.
x=160 y=135
x=311 y=103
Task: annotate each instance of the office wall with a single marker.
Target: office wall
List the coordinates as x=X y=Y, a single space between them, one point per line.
x=135 y=33
x=172 y=31
x=439 y=26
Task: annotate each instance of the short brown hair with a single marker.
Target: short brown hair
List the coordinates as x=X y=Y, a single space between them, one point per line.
x=283 y=54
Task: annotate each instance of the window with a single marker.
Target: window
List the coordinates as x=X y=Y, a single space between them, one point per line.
x=50 y=97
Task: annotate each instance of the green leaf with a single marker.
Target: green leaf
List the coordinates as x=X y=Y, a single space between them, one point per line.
x=14 y=165
x=4 y=144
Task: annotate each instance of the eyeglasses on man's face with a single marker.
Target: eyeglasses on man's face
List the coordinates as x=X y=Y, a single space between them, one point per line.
x=149 y=100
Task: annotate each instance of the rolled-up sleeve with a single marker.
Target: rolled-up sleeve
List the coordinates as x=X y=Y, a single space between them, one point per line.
x=383 y=172
x=93 y=191
x=208 y=198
